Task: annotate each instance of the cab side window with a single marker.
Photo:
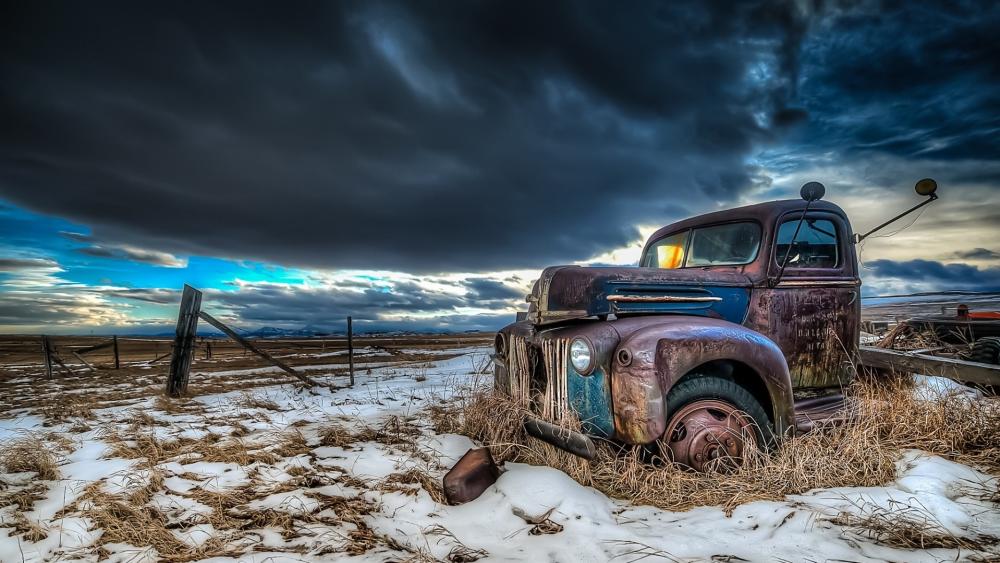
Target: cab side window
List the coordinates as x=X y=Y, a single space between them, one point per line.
x=816 y=246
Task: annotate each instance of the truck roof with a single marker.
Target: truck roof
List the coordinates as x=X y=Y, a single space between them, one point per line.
x=766 y=213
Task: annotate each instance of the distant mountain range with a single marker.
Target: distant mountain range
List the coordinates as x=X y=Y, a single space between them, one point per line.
x=314 y=332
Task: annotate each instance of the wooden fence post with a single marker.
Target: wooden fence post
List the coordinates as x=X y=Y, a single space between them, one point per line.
x=47 y=351
x=114 y=340
x=350 y=349
x=187 y=328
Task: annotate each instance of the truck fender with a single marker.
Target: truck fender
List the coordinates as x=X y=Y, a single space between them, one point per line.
x=663 y=352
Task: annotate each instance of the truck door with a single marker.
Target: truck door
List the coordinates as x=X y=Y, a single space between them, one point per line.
x=813 y=313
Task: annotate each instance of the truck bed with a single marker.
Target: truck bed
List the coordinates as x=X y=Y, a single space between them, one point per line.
x=925 y=364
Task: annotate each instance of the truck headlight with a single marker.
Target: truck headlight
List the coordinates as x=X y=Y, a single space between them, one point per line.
x=581 y=355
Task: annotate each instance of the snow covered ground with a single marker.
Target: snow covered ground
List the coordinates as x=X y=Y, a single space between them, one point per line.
x=347 y=498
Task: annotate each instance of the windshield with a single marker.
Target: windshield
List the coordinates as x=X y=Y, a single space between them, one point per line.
x=667 y=253
x=731 y=244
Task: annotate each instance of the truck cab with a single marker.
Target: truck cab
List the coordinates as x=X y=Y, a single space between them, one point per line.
x=704 y=348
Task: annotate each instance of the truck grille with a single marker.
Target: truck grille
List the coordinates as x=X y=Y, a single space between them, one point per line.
x=539 y=384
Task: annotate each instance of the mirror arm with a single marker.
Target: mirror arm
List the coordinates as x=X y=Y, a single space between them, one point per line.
x=858 y=238
x=788 y=251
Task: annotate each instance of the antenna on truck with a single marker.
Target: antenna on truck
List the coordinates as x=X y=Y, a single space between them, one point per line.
x=811 y=191
x=926 y=187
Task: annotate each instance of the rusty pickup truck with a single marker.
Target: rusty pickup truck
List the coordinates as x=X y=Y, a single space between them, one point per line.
x=737 y=329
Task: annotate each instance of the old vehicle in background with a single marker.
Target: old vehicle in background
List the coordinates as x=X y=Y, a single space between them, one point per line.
x=738 y=328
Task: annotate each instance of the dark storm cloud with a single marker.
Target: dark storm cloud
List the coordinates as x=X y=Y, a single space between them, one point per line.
x=915 y=80
x=123 y=252
x=978 y=254
x=149 y=295
x=407 y=136
x=492 y=290
x=294 y=305
x=17 y=264
x=938 y=275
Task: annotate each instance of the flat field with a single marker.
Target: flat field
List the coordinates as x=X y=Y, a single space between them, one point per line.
x=254 y=466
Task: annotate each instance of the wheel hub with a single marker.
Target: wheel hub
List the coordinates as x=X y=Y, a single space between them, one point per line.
x=708 y=433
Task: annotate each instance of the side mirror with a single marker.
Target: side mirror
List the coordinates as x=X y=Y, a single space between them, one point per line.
x=814 y=191
x=927 y=187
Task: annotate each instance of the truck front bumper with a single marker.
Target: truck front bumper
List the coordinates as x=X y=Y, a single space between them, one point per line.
x=574 y=442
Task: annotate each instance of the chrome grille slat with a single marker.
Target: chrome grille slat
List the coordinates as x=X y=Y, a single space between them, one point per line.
x=554 y=402
x=555 y=353
x=519 y=374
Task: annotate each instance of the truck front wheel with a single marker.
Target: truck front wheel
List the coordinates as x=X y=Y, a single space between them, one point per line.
x=713 y=422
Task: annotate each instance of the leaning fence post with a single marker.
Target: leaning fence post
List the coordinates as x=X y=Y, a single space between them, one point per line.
x=47 y=351
x=114 y=340
x=350 y=349
x=187 y=328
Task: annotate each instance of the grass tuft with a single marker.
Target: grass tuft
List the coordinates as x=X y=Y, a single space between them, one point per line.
x=29 y=453
x=906 y=526
x=402 y=483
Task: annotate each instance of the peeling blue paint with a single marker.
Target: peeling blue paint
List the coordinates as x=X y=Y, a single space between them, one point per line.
x=590 y=398
x=732 y=307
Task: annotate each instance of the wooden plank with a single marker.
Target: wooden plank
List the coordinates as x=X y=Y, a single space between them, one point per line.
x=246 y=344
x=158 y=358
x=58 y=360
x=908 y=362
x=47 y=352
x=85 y=362
x=187 y=328
x=95 y=347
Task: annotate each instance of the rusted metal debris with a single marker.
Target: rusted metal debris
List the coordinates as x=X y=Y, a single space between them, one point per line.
x=471 y=476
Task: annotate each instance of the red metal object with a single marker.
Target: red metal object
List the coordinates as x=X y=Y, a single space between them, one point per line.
x=707 y=432
x=471 y=476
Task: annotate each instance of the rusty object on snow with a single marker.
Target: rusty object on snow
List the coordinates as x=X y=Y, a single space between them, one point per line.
x=472 y=475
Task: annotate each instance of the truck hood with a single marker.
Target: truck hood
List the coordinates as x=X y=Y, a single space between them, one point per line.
x=575 y=292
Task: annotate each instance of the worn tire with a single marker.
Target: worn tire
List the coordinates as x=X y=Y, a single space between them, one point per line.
x=986 y=350
x=717 y=388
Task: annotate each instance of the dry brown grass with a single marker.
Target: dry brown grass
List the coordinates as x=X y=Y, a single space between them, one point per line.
x=69 y=406
x=29 y=453
x=23 y=498
x=123 y=520
x=335 y=435
x=403 y=483
x=139 y=444
x=906 y=526
x=952 y=425
x=180 y=405
x=445 y=417
x=250 y=400
x=292 y=444
x=32 y=531
x=885 y=419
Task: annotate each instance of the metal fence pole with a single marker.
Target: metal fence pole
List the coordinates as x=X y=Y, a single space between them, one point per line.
x=350 y=349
